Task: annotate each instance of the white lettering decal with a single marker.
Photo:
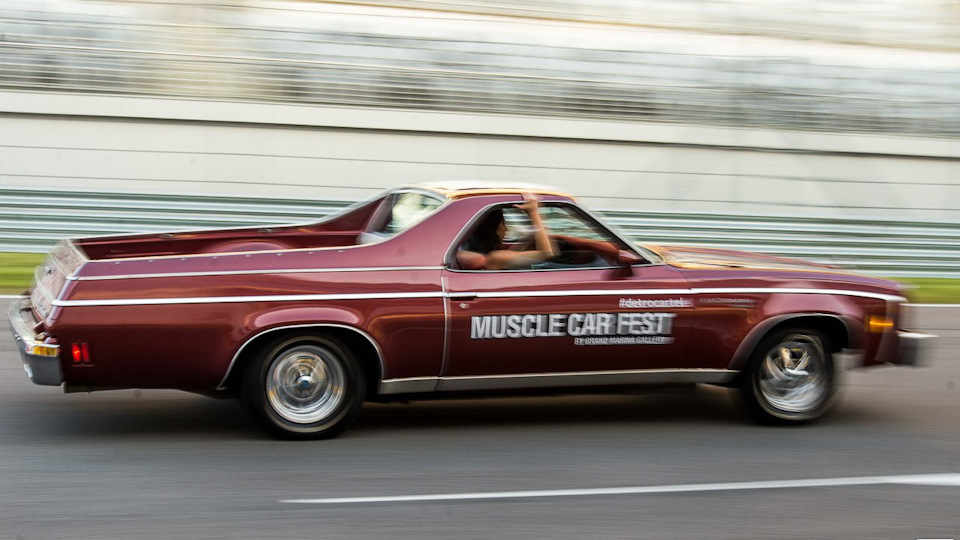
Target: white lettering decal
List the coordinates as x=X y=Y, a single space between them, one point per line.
x=647 y=303
x=646 y=328
x=574 y=324
x=479 y=327
x=513 y=326
x=498 y=328
x=558 y=322
x=526 y=329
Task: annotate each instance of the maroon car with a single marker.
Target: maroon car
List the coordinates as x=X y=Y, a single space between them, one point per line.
x=437 y=290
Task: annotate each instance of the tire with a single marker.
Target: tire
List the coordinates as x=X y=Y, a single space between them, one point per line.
x=791 y=378
x=304 y=387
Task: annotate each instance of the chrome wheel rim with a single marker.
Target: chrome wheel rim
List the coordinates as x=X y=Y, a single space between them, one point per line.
x=793 y=375
x=306 y=384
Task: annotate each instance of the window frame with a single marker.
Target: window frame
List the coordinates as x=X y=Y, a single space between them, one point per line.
x=647 y=257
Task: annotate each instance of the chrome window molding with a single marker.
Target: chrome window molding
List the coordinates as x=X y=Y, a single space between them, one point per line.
x=449 y=256
x=241 y=299
x=256 y=272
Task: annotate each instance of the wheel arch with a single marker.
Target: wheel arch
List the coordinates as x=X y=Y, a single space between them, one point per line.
x=367 y=350
x=843 y=331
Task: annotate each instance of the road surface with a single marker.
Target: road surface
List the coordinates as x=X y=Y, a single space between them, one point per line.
x=680 y=464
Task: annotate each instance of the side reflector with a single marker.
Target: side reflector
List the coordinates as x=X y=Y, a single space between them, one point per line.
x=80 y=352
x=879 y=324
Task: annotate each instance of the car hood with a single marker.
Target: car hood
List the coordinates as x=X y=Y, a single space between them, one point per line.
x=696 y=257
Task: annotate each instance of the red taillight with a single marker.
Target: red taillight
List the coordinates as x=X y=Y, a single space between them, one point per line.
x=80 y=352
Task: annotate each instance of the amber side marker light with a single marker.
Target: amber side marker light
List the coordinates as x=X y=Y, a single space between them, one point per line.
x=43 y=350
x=879 y=324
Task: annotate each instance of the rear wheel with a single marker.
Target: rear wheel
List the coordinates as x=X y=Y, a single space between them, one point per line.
x=791 y=378
x=304 y=387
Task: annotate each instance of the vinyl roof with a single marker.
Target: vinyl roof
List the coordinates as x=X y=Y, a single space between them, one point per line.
x=464 y=188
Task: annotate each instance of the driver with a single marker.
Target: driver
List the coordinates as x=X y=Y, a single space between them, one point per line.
x=487 y=240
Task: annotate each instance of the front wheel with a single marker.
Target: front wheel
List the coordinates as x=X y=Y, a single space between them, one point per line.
x=791 y=378
x=304 y=387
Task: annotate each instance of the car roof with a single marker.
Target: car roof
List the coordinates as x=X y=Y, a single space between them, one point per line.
x=456 y=189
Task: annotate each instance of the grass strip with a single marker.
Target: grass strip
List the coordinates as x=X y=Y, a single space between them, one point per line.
x=933 y=290
x=16 y=270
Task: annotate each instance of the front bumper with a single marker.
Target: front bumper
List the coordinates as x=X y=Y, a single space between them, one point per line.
x=41 y=360
x=913 y=347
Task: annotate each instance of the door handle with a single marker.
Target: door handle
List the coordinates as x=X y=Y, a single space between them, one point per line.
x=462 y=296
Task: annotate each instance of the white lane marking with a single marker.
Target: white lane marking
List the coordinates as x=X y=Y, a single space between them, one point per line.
x=943 y=480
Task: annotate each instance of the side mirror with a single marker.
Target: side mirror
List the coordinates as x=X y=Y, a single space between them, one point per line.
x=625 y=262
x=627 y=258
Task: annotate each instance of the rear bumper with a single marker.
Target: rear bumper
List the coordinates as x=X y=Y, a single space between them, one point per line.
x=913 y=348
x=41 y=360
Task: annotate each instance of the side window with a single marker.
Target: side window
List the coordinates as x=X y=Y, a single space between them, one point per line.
x=397 y=212
x=563 y=220
x=406 y=209
x=578 y=241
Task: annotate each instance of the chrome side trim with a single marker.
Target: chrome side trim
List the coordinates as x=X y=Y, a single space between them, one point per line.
x=376 y=346
x=412 y=385
x=257 y=272
x=557 y=380
x=441 y=294
x=789 y=290
x=241 y=299
x=594 y=292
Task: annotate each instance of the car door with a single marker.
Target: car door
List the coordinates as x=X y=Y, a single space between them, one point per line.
x=575 y=320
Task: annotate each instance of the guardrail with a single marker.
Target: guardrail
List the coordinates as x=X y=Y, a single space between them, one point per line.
x=32 y=220
x=305 y=55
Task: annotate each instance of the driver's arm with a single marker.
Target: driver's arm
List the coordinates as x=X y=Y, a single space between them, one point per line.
x=501 y=258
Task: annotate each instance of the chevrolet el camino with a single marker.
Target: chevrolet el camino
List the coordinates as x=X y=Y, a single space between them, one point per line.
x=440 y=289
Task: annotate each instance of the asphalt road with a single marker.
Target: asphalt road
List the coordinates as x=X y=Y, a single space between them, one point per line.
x=159 y=464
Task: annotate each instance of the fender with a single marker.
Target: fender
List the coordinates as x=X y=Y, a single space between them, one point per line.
x=301 y=317
x=854 y=334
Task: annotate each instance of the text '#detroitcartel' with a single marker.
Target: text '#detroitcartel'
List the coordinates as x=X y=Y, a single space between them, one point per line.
x=571 y=324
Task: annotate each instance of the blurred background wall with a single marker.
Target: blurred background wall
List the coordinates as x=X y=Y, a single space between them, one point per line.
x=819 y=129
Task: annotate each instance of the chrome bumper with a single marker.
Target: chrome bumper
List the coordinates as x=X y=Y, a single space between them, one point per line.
x=41 y=360
x=914 y=346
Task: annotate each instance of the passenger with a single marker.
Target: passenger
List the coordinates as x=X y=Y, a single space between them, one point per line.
x=487 y=241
